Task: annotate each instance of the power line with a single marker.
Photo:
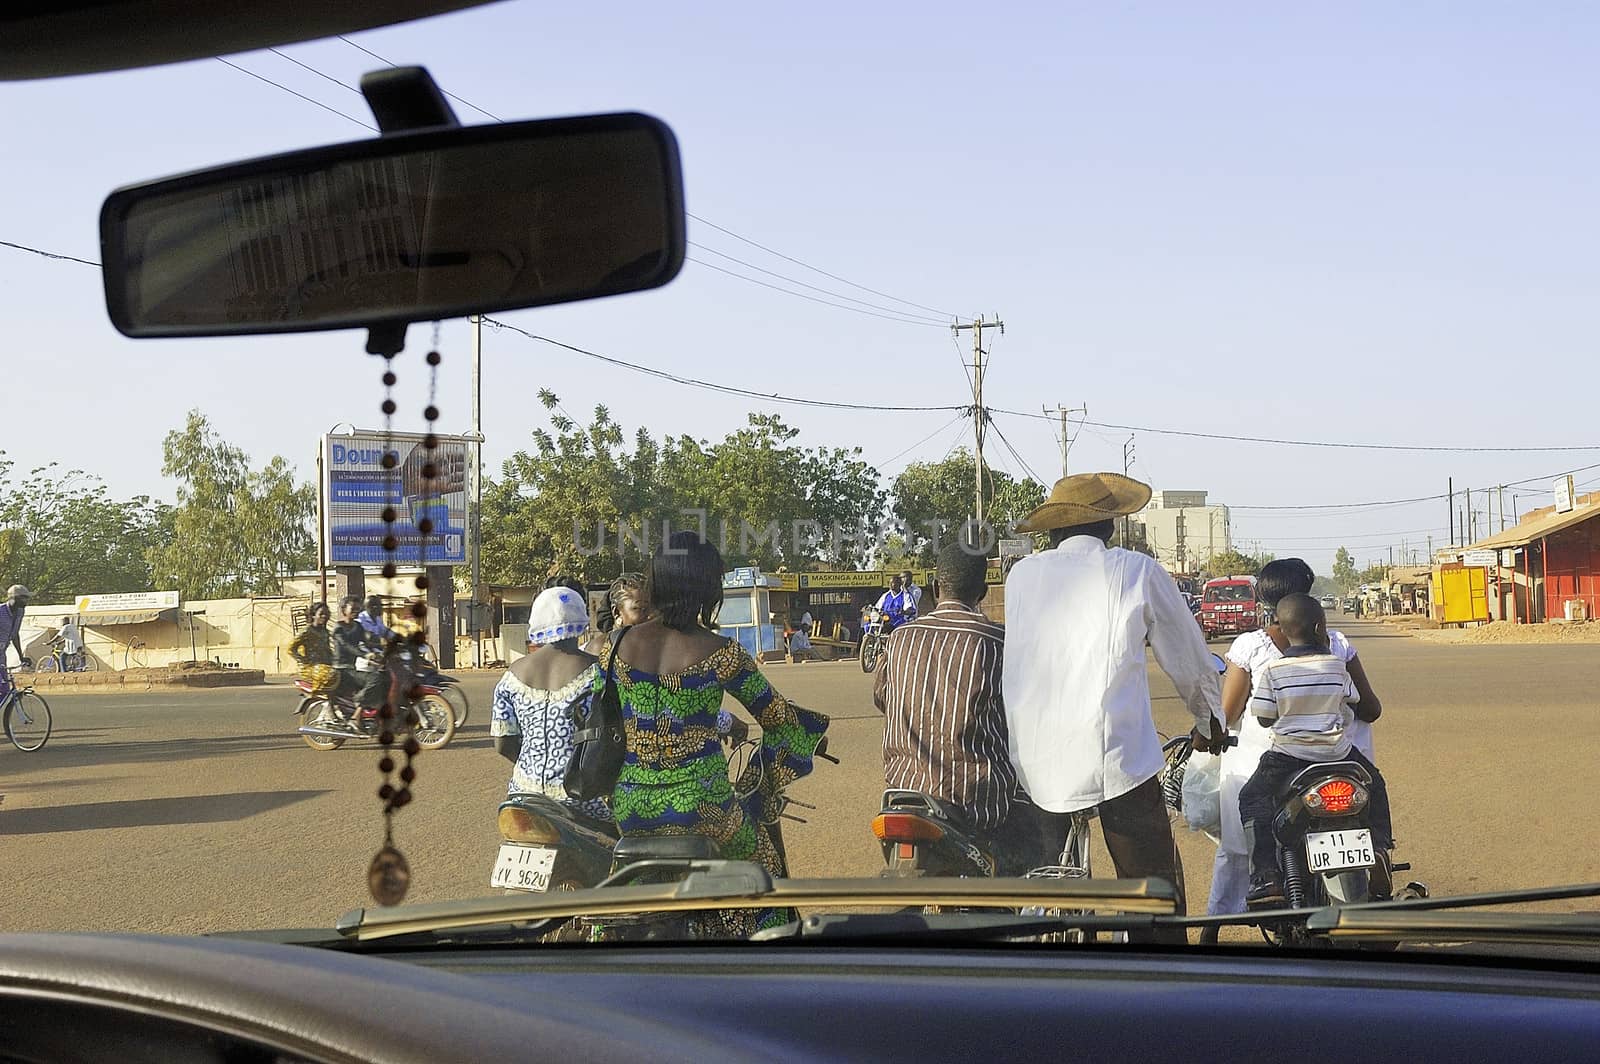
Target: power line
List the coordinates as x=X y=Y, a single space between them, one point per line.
x=291 y=92
x=726 y=389
x=453 y=96
x=1020 y=460
x=814 y=299
x=314 y=70
x=812 y=287
x=48 y=254
x=703 y=221
x=1305 y=443
x=831 y=276
x=936 y=432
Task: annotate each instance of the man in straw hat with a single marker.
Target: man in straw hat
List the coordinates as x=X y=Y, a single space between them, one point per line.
x=1076 y=694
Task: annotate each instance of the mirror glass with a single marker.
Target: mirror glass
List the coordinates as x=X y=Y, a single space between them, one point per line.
x=410 y=227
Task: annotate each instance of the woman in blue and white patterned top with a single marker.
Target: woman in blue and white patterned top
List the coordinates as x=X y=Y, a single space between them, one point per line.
x=534 y=702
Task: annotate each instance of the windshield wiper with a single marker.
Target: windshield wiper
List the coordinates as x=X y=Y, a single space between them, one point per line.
x=744 y=885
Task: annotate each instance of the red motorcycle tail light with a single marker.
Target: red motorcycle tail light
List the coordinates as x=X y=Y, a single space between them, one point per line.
x=905 y=827
x=1337 y=796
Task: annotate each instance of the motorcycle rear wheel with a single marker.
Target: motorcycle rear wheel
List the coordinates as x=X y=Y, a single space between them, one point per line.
x=317 y=711
x=436 y=724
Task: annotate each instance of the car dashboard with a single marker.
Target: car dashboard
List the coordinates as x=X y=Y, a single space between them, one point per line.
x=92 y=997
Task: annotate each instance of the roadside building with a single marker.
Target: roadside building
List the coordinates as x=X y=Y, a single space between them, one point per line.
x=1546 y=567
x=1183 y=530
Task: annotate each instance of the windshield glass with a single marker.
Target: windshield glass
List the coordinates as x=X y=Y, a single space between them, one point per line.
x=924 y=280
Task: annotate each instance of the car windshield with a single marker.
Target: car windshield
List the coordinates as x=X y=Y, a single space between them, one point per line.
x=1033 y=320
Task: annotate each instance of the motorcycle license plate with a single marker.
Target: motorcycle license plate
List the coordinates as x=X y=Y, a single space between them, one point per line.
x=1334 y=851
x=519 y=867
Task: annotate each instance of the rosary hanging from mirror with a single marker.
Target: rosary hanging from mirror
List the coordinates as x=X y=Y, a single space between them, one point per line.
x=409 y=494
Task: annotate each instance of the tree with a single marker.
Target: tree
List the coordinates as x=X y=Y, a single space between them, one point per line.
x=1344 y=570
x=62 y=534
x=1233 y=563
x=933 y=499
x=579 y=502
x=1373 y=574
x=235 y=530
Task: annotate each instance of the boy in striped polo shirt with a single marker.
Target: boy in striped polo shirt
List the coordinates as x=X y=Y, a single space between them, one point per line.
x=1307 y=700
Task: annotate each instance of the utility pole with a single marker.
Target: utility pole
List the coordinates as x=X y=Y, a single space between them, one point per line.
x=979 y=414
x=1451 y=481
x=1501 y=492
x=1066 y=441
x=1466 y=528
x=1127 y=461
x=475 y=471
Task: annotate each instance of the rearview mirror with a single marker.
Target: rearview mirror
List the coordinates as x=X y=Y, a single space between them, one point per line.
x=400 y=228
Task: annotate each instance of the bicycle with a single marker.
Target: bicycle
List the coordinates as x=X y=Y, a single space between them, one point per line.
x=58 y=660
x=27 y=718
x=1073 y=863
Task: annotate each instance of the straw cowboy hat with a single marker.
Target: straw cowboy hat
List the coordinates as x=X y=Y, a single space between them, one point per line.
x=1085 y=498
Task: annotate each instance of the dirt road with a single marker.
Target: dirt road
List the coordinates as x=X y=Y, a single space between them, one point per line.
x=198 y=812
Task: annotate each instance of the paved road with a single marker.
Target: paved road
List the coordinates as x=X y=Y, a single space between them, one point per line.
x=189 y=812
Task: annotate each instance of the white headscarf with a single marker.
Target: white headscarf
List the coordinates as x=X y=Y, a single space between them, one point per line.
x=558 y=613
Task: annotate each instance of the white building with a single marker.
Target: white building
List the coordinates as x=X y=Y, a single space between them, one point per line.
x=1183 y=531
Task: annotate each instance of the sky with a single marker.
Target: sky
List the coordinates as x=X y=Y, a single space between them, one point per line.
x=1366 y=224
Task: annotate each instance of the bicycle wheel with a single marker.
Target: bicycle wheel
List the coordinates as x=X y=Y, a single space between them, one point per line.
x=46 y=664
x=28 y=721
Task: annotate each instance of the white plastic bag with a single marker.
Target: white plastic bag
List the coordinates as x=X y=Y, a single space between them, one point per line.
x=1202 y=793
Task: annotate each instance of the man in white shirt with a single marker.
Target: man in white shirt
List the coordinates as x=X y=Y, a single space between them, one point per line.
x=71 y=642
x=913 y=593
x=1076 y=694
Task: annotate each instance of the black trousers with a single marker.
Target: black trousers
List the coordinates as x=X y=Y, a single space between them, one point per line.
x=1258 y=803
x=366 y=688
x=1138 y=833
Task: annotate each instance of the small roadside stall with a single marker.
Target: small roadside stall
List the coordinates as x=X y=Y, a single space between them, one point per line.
x=747 y=615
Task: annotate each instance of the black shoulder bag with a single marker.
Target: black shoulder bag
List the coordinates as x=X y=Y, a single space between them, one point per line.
x=600 y=742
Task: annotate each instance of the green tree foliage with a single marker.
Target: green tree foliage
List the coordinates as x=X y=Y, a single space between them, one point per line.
x=235 y=530
x=560 y=506
x=62 y=534
x=933 y=499
x=1233 y=563
x=1344 y=570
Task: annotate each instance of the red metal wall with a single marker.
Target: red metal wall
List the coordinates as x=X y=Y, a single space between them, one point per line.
x=1574 y=567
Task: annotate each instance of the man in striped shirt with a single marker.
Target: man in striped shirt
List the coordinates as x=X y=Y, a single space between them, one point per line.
x=1305 y=700
x=944 y=720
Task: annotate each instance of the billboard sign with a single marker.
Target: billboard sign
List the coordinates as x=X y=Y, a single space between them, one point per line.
x=1564 y=499
x=356 y=489
x=131 y=600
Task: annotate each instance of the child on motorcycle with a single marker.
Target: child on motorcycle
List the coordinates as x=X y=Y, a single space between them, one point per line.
x=1307 y=700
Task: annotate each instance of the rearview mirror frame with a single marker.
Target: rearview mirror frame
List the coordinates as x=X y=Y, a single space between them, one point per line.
x=114 y=213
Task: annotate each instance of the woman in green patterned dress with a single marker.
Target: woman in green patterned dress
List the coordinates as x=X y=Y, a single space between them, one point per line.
x=671 y=674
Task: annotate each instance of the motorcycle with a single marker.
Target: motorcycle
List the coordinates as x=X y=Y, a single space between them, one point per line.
x=874 y=632
x=1326 y=850
x=547 y=845
x=449 y=686
x=331 y=720
x=656 y=859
